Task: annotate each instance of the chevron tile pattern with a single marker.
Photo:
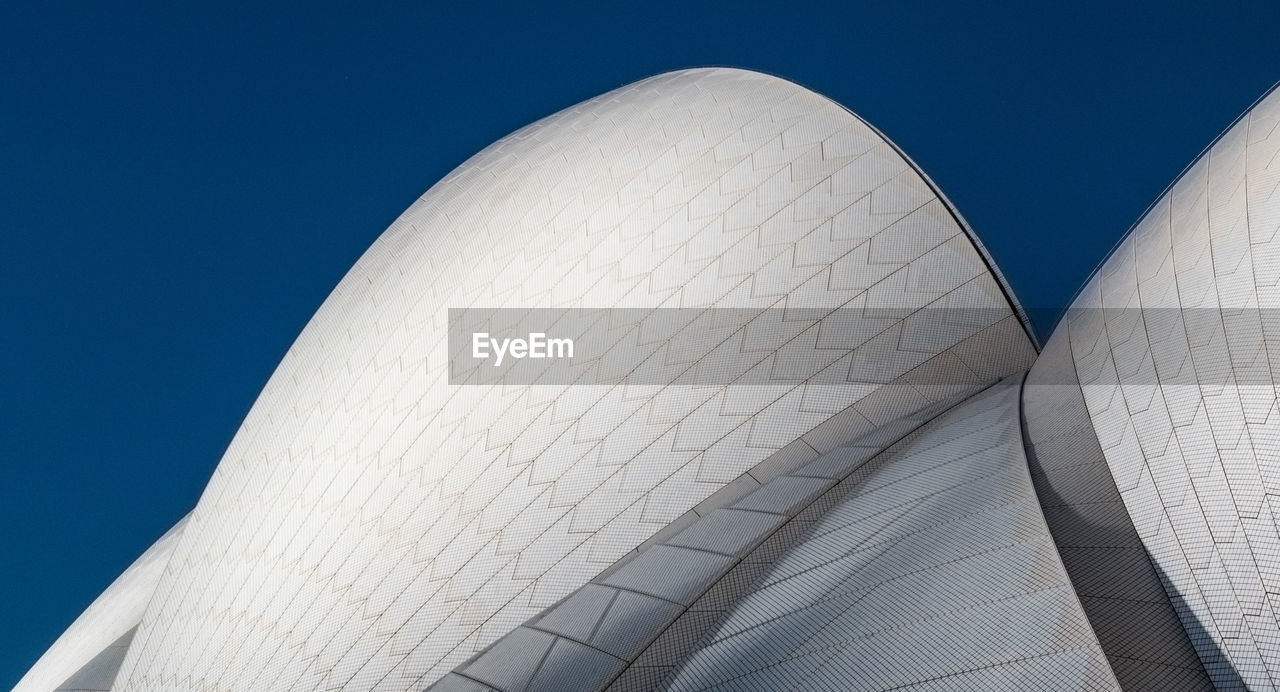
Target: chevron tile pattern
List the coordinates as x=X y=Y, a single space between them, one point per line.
x=855 y=493
x=934 y=571
x=1119 y=589
x=612 y=626
x=1175 y=340
x=373 y=527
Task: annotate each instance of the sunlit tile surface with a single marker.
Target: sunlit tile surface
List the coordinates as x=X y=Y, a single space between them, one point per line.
x=373 y=527
x=899 y=521
x=1175 y=341
x=935 y=570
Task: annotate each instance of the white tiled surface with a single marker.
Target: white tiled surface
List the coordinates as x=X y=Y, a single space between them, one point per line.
x=936 y=571
x=108 y=618
x=99 y=674
x=1197 y=458
x=1119 y=588
x=643 y=616
x=371 y=527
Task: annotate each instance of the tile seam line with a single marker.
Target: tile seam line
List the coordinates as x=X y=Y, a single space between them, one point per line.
x=749 y=552
x=739 y=560
x=1005 y=288
x=1170 y=589
x=1025 y=466
x=1097 y=269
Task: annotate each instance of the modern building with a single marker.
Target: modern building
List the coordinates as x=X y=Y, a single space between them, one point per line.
x=839 y=461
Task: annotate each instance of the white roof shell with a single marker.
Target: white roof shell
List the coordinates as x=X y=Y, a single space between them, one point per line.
x=372 y=526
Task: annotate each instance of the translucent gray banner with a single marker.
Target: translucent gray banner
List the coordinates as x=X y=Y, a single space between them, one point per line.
x=704 y=346
x=1207 y=347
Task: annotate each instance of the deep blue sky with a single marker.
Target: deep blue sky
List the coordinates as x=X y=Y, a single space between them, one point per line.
x=181 y=187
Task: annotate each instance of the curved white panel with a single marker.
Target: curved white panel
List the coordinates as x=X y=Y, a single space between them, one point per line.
x=372 y=526
x=1175 y=340
x=935 y=571
x=1119 y=587
x=106 y=620
x=632 y=626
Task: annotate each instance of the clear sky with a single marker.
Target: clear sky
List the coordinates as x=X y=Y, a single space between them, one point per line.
x=181 y=187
